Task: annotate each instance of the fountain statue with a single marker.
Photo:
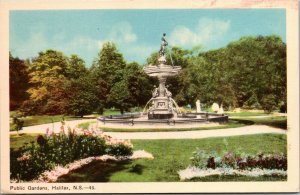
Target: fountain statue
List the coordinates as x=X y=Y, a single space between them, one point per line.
x=163 y=106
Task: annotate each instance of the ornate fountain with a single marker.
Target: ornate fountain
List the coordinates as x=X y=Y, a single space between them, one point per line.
x=162 y=104
x=161 y=108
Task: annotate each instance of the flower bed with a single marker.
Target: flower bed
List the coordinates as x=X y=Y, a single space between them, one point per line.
x=201 y=159
x=51 y=150
x=206 y=164
x=192 y=172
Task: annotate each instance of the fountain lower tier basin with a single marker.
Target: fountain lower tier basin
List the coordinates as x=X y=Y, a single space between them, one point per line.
x=187 y=119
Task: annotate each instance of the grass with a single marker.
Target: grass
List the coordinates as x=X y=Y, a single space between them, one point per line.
x=17 y=141
x=241 y=114
x=111 y=112
x=170 y=156
x=85 y=125
x=278 y=122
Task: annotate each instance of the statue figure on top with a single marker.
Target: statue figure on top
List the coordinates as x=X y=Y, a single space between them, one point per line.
x=164 y=43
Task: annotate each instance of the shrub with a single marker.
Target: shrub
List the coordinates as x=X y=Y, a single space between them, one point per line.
x=17 y=124
x=269 y=103
x=29 y=161
x=203 y=160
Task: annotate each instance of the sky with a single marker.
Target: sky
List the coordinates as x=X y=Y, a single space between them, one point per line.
x=137 y=33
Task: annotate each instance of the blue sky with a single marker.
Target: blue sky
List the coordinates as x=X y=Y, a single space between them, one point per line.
x=137 y=33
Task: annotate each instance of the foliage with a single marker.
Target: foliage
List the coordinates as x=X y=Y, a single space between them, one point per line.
x=232 y=76
x=17 y=124
x=81 y=99
x=48 y=151
x=47 y=74
x=119 y=96
x=18 y=82
x=106 y=71
x=139 y=85
x=203 y=160
x=269 y=103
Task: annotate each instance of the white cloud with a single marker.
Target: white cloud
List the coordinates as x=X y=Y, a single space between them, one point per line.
x=86 y=47
x=122 y=33
x=35 y=43
x=205 y=31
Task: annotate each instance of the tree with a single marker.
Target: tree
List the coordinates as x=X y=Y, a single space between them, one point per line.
x=138 y=84
x=119 y=96
x=269 y=103
x=75 y=67
x=258 y=66
x=106 y=71
x=82 y=97
x=47 y=76
x=18 y=82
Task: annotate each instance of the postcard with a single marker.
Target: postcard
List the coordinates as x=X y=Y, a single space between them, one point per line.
x=149 y=97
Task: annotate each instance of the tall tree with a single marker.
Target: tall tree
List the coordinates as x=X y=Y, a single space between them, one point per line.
x=119 y=96
x=139 y=84
x=81 y=97
x=106 y=71
x=75 y=67
x=47 y=76
x=18 y=82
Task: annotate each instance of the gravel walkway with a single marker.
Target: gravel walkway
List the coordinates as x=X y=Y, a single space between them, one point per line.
x=247 y=130
x=52 y=126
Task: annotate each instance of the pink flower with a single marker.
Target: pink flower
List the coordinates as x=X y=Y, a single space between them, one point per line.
x=24 y=157
x=47 y=131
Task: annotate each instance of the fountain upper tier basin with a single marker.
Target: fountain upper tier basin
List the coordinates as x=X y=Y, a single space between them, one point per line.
x=162 y=70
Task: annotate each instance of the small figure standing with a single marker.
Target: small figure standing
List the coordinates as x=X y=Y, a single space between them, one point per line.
x=155 y=92
x=164 y=43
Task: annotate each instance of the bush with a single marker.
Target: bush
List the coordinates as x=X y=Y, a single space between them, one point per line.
x=17 y=124
x=29 y=161
x=269 y=103
x=203 y=160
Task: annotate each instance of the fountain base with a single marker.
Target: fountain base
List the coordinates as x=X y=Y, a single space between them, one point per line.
x=160 y=116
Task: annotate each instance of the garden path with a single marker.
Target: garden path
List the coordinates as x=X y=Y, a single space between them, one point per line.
x=246 y=130
x=52 y=126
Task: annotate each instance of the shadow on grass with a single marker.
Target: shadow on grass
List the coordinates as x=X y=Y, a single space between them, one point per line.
x=277 y=122
x=98 y=172
x=137 y=169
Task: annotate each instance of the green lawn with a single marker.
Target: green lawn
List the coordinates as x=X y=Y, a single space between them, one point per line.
x=247 y=114
x=278 y=122
x=16 y=141
x=171 y=156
